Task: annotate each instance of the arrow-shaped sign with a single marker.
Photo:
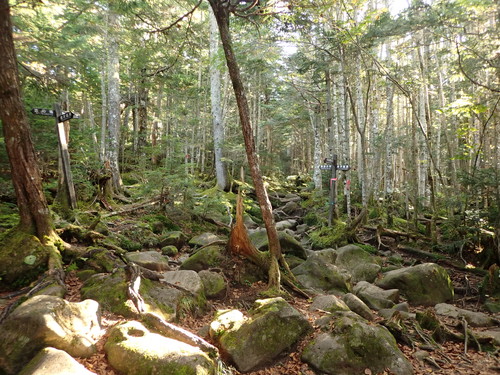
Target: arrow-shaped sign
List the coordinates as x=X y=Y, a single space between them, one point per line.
x=66 y=116
x=43 y=112
x=326 y=167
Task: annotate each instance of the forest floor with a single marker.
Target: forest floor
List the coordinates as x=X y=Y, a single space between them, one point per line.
x=450 y=358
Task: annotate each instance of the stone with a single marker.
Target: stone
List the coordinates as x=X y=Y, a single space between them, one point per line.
x=329 y=303
x=203 y=259
x=360 y=264
x=203 y=239
x=327 y=255
x=286 y=224
x=214 y=284
x=425 y=284
x=375 y=297
x=292 y=208
x=175 y=238
x=289 y=245
x=169 y=250
x=352 y=345
x=272 y=327
x=475 y=319
x=51 y=361
x=110 y=290
x=134 y=350
x=151 y=260
x=358 y=306
x=185 y=280
x=318 y=275
x=48 y=321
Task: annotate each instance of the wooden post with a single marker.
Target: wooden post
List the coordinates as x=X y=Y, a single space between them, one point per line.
x=333 y=184
x=64 y=155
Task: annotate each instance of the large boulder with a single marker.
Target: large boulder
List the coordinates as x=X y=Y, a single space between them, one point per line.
x=203 y=259
x=204 y=239
x=352 y=345
x=174 y=238
x=152 y=260
x=110 y=290
x=376 y=297
x=424 y=284
x=134 y=350
x=361 y=265
x=474 y=318
x=214 y=283
x=44 y=321
x=328 y=303
x=51 y=361
x=320 y=276
x=289 y=245
x=272 y=327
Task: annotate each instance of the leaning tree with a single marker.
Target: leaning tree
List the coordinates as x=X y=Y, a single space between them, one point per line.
x=27 y=249
x=222 y=10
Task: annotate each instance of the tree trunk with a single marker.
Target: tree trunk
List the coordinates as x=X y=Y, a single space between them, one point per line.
x=114 y=103
x=33 y=210
x=217 y=121
x=314 y=114
x=221 y=13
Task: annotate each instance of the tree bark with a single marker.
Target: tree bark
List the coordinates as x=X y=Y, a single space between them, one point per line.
x=33 y=209
x=221 y=12
x=114 y=103
x=217 y=121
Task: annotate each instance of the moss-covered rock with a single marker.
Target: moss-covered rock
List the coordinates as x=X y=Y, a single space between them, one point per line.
x=48 y=321
x=328 y=303
x=110 y=290
x=289 y=245
x=134 y=350
x=203 y=239
x=273 y=326
x=169 y=250
x=353 y=345
x=424 y=284
x=214 y=283
x=206 y=258
x=175 y=238
x=360 y=264
x=22 y=259
x=152 y=260
x=321 y=276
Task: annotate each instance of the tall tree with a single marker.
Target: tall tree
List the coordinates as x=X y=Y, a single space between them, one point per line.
x=222 y=11
x=33 y=209
x=217 y=120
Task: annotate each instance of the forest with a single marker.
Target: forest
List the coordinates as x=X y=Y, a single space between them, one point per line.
x=277 y=135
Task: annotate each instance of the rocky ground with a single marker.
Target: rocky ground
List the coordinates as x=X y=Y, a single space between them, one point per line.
x=451 y=357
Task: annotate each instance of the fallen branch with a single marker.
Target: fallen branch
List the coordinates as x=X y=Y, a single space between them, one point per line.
x=132 y=209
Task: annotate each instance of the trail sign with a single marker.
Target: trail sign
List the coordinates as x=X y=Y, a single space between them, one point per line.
x=327 y=167
x=43 y=112
x=60 y=118
x=66 y=116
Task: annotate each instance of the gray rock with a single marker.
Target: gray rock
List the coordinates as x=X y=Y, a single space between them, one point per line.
x=185 y=280
x=424 y=284
x=292 y=208
x=289 y=244
x=51 y=361
x=329 y=303
x=132 y=349
x=214 y=284
x=318 y=275
x=358 y=306
x=376 y=298
x=353 y=345
x=327 y=255
x=151 y=260
x=301 y=229
x=273 y=326
x=475 y=319
x=48 y=321
x=110 y=290
x=174 y=238
x=204 y=239
x=286 y=224
x=360 y=264
x=203 y=259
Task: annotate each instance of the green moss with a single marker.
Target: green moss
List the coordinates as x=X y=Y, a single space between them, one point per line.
x=326 y=237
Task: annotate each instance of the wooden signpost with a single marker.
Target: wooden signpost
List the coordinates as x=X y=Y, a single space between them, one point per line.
x=331 y=165
x=60 y=117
